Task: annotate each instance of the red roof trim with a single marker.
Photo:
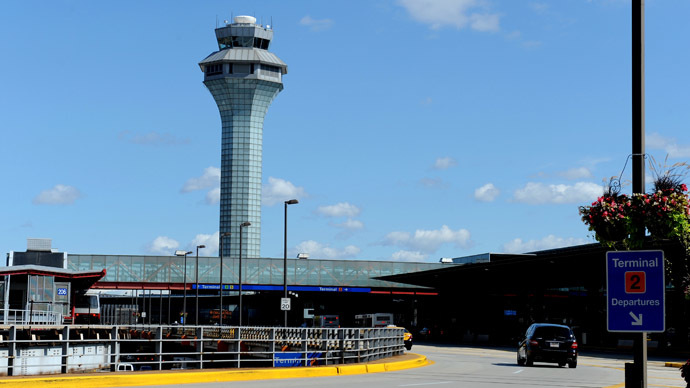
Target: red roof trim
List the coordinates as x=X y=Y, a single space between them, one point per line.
x=97 y=275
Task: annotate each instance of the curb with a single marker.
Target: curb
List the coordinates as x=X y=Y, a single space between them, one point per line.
x=674 y=364
x=115 y=379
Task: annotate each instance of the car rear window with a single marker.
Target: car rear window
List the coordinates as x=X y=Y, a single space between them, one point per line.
x=552 y=332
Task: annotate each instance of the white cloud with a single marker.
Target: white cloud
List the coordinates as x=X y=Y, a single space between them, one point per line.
x=151 y=138
x=669 y=145
x=342 y=209
x=279 y=190
x=539 y=7
x=351 y=224
x=58 y=195
x=484 y=22
x=548 y=242
x=213 y=196
x=211 y=242
x=539 y=193
x=454 y=13
x=164 y=246
x=408 y=256
x=210 y=178
x=428 y=241
x=576 y=173
x=319 y=251
x=445 y=163
x=486 y=193
x=316 y=24
x=434 y=183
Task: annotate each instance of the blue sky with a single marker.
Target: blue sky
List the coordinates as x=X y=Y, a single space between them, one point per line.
x=409 y=130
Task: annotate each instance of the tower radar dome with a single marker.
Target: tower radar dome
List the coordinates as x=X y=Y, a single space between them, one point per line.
x=245 y=19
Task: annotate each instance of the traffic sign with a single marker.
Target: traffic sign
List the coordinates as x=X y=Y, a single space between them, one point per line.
x=635 y=291
x=285 y=304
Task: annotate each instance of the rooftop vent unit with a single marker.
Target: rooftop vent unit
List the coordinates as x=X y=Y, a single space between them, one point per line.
x=303 y=256
x=38 y=244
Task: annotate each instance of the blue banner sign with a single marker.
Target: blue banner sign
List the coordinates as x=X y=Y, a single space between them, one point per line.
x=291 y=359
x=635 y=291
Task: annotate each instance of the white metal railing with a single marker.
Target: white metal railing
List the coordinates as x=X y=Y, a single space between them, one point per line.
x=30 y=317
x=63 y=349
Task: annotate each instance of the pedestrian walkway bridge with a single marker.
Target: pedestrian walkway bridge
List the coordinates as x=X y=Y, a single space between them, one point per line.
x=174 y=272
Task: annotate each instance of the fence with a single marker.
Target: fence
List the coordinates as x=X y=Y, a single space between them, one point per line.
x=63 y=349
x=30 y=317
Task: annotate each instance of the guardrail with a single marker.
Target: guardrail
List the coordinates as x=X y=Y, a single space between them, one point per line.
x=63 y=349
x=29 y=317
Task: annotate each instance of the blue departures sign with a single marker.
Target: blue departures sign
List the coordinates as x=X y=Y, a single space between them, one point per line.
x=635 y=290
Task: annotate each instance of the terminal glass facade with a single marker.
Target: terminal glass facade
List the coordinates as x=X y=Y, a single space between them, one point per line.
x=256 y=271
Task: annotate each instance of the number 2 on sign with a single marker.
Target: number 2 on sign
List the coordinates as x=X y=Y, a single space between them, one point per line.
x=635 y=282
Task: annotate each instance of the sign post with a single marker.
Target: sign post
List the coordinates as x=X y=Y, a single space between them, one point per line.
x=635 y=290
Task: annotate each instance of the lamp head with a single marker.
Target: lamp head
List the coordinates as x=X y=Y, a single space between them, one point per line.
x=244 y=224
x=292 y=202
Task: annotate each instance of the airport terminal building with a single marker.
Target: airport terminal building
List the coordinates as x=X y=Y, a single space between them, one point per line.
x=488 y=298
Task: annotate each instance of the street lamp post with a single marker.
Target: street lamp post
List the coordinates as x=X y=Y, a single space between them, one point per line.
x=242 y=225
x=196 y=278
x=285 y=293
x=220 y=319
x=184 y=300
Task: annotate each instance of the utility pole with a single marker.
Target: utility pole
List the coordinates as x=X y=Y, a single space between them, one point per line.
x=639 y=377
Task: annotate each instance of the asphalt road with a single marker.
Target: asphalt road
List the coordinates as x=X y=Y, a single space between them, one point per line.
x=455 y=366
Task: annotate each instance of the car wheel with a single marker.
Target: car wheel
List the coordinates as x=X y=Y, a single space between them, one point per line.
x=408 y=346
x=572 y=364
x=561 y=364
x=529 y=361
x=520 y=361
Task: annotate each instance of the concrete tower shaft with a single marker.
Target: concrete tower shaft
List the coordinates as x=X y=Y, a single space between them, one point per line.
x=243 y=78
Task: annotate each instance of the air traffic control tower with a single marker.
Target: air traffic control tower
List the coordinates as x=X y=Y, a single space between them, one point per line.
x=244 y=78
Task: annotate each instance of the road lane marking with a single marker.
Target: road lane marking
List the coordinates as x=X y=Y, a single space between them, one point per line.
x=518 y=371
x=414 y=385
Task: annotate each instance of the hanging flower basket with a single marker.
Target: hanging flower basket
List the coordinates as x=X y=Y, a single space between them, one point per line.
x=611 y=232
x=608 y=217
x=665 y=212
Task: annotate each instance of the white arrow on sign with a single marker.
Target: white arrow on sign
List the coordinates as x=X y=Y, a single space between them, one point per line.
x=637 y=321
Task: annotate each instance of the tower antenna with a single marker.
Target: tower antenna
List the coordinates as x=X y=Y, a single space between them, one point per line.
x=216 y=20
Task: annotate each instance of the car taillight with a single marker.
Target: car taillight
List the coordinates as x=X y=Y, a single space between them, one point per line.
x=533 y=343
x=574 y=345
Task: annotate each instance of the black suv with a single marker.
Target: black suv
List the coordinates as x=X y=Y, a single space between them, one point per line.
x=545 y=342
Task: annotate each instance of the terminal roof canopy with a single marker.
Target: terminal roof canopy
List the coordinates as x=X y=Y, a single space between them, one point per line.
x=80 y=279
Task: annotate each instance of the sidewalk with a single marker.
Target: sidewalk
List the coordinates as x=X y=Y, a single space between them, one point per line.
x=125 y=379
